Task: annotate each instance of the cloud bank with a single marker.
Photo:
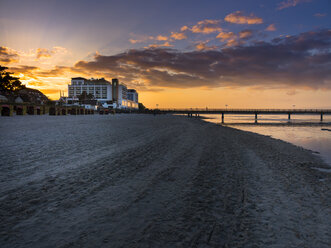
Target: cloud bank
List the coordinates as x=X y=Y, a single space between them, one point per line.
x=301 y=61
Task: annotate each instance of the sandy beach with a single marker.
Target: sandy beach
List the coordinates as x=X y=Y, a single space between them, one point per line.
x=156 y=181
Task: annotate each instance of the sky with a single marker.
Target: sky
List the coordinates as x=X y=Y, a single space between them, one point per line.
x=176 y=54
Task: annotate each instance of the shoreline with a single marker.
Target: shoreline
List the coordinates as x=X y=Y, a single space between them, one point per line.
x=143 y=180
x=300 y=140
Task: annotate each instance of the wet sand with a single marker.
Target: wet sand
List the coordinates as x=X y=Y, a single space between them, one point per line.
x=156 y=181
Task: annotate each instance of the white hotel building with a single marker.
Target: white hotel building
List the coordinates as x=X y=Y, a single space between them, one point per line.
x=113 y=95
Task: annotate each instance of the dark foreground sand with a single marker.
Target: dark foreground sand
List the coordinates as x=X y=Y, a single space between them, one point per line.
x=156 y=181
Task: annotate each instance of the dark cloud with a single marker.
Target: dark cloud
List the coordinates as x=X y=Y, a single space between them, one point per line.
x=303 y=60
x=23 y=69
x=8 y=56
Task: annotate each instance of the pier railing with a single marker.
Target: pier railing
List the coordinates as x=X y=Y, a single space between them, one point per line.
x=197 y=111
x=248 y=111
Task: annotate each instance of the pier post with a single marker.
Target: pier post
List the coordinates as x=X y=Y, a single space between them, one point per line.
x=37 y=110
x=52 y=111
x=255 y=117
x=45 y=109
x=289 y=116
x=321 y=117
x=24 y=110
x=222 y=117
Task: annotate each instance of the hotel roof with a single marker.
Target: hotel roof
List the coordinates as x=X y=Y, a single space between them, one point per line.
x=78 y=78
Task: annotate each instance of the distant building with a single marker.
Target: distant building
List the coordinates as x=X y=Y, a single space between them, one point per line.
x=109 y=95
x=99 y=88
x=132 y=95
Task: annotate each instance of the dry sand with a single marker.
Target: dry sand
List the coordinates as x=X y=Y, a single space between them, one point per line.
x=156 y=181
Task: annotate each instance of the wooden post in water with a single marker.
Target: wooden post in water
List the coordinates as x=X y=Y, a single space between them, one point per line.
x=255 y=117
x=289 y=116
x=222 y=117
x=321 y=117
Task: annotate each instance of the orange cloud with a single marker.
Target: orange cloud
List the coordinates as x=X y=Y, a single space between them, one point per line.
x=8 y=55
x=232 y=42
x=225 y=36
x=178 y=36
x=203 y=47
x=207 y=27
x=47 y=53
x=43 y=53
x=271 y=27
x=161 y=38
x=165 y=44
x=184 y=28
x=134 y=41
x=136 y=38
x=245 y=34
x=238 y=18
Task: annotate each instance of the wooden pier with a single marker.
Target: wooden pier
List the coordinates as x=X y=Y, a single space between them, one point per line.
x=289 y=112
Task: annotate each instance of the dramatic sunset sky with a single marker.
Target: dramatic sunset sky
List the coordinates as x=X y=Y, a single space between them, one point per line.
x=176 y=53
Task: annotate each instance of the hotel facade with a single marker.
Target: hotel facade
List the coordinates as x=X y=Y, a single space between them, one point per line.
x=108 y=94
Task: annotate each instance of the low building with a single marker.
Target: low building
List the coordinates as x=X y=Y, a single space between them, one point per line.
x=109 y=95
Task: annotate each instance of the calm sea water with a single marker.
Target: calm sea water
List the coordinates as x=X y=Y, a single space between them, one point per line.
x=311 y=137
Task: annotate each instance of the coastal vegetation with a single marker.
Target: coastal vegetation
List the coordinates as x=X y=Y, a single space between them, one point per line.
x=9 y=83
x=15 y=91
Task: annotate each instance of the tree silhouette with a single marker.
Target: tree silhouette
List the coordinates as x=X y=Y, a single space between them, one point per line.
x=8 y=83
x=141 y=107
x=85 y=97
